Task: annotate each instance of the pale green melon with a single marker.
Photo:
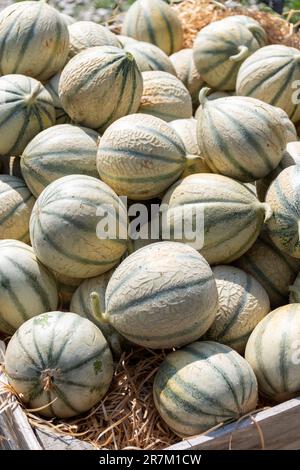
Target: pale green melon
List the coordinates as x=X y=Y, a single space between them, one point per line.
x=149 y=57
x=85 y=34
x=187 y=72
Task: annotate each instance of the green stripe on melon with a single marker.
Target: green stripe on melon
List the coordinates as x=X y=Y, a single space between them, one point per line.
x=202 y=385
x=59 y=362
x=150 y=57
x=85 y=34
x=34 y=40
x=59 y=151
x=26 y=287
x=252 y=25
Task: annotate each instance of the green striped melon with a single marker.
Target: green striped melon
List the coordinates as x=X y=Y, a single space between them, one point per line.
x=126 y=40
x=165 y=97
x=233 y=216
x=284 y=198
x=212 y=95
x=272 y=268
x=52 y=87
x=202 y=385
x=84 y=34
x=27 y=288
x=105 y=75
x=156 y=22
x=219 y=50
x=140 y=156
x=59 y=151
x=270 y=75
x=252 y=25
x=26 y=108
x=273 y=352
x=59 y=363
x=295 y=291
x=243 y=303
x=240 y=137
x=64 y=227
x=16 y=203
x=291 y=132
x=149 y=57
x=34 y=40
x=187 y=72
x=162 y=296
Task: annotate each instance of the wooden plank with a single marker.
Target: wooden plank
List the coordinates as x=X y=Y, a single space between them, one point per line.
x=51 y=441
x=15 y=430
x=280 y=427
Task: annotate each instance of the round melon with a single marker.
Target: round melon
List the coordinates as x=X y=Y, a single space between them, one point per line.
x=240 y=137
x=290 y=129
x=26 y=108
x=34 y=40
x=162 y=296
x=273 y=352
x=252 y=25
x=149 y=57
x=100 y=85
x=85 y=34
x=140 y=156
x=165 y=96
x=213 y=95
x=126 y=40
x=270 y=75
x=59 y=151
x=232 y=216
x=243 y=303
x=52 y=87
x=187 y=72
x=202 y=385
x=65 y=229
x=16 y=203
x=60 y=363
x=274 y=270
x=284 y=198
x=295 y=291
x=67 y=18
x=156 y=22
x=219 y=50
x=27 y=288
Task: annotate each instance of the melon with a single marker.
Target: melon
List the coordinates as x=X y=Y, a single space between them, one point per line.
x=283 y=196
x=187 y=72
x=16 y=203
x=156 y=22
x=26 y=108
x=126 y=40
x=59 y=363
x=66 y=287
x=34 y=40
x=67 y=18
x=162 y=296
x=213 y=95
x=52 y=87
x=272 y=268
x=243 y=303
x=240 y=137
x=149 y=57
x=165 y=96
x=231 y=215
x=65 y=229
x=273 y=352
x=59 y=151
x=270 y=75
x=27 y=288
x=106 y=75
x=85 y=34
x=220 y=49
x=252 y=25
x=290 y=129
x=203 y=385
x=140 y=156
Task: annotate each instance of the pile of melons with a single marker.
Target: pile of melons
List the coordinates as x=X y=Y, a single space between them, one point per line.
x=88 y=116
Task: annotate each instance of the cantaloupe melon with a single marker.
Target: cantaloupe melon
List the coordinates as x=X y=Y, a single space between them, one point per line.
x=27 y=288
x=162 y=296
x=165 y=96
x=156 y=22
x=59 y=151
x=85 y=34
x=252 y=25
x=60 y=363
x=240 y=137
x=16 y=203
x=149 y=57
x=64 y=227
x=26 y=108
x=202 y=385
x=52 y=87
x=126 y=40
x=106 y=75
x=34 y=40
x=243 y=303
x=187 y=72
x=273 y=352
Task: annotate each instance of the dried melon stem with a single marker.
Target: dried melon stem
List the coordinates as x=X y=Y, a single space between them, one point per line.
x=203 y=95
x=48 y=376
x=96 y=308
x=241 y=55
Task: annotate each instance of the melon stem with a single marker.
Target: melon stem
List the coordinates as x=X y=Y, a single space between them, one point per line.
x=96 y=308
x=242 y=54
x=268 y=211
x=203 y=95
x=191 y=159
